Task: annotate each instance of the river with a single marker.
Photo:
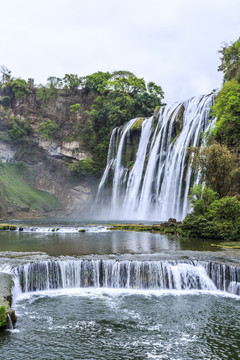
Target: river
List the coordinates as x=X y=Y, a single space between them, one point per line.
x=118 y=295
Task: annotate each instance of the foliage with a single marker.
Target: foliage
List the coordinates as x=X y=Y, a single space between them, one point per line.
x=19 y=128
x=201 y=197
x=47 y=129
x=97 y=82
x=230 y=61
x=20 y=88
x=72 y=81
x=120 y=96
x=45 y=93
x=5 y=101
x=216 y=164
x=111 y=99
x=5 y=73
x=55 y=82
x=74 y=108
x=214 y=218
x=83 y=167
x=3 y=316
x=227 y=111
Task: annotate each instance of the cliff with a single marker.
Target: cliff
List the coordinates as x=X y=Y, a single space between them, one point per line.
x=42 y=162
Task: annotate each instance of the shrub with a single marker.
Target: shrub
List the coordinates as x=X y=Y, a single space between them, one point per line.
x=47 y=129
x=83 y=167
x=19 y=128
x=3 y=316
x=20 y=88
x=74 y=108
x=201 y=197
x=212 y=217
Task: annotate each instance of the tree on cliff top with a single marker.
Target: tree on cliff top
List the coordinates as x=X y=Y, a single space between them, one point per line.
x=230 y=61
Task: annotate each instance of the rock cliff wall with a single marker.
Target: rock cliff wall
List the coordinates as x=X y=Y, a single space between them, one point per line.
x=46 y=160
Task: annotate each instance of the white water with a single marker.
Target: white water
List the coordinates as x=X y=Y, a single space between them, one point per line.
x=158 y=184
x=129 y=275
x=61 y=229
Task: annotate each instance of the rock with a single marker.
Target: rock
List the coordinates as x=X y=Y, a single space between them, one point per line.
x=172 y=220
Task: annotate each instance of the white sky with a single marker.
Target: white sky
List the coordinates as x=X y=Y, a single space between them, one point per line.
x=174 y=43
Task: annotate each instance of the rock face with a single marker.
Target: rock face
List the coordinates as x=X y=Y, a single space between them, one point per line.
x=70 y=150
x=47 y=160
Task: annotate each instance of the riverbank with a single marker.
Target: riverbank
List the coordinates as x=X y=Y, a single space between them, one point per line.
x=6 y=301
x=169 y=227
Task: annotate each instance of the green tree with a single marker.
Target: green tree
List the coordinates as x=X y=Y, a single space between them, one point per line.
x=97 y=82
x=216 y=164
x=201 y=198
x=19 y=128
x=227 y=111
x=72 y=81
x=5 y=73
x=20 y=88
x=230 y=61
x=56 y=82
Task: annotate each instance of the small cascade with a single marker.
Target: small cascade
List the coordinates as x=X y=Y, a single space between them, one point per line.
x=127 y=274
x=148 y=175
x=9 y=321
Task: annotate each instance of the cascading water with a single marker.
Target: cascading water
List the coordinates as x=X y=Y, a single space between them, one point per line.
x=148 y=175
x=126 y=274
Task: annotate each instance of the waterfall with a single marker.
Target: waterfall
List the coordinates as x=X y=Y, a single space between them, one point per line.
x=9 y=321
x=148 y=175
x=127 y=274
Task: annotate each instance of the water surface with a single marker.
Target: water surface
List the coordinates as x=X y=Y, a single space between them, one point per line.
x=91 y=324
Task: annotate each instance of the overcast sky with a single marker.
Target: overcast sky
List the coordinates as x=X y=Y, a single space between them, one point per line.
x=174 y=43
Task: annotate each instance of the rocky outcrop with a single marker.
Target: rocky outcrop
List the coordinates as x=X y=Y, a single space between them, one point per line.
x=6 y=300
x=46 y=161
x=71 y=150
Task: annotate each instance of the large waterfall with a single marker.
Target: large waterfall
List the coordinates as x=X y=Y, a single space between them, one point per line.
x=148 y=175
x=128 y=274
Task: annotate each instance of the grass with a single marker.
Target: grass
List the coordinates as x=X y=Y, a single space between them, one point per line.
x=16 y=193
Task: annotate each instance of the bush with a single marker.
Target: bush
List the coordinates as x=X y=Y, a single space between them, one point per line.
x=20 y=88
x=47 y=129
x=201 y=197
x=83 y=167
x=19 y=128
x=3 y=316
x=74 y=108
x=212 y=217
x=225 y=209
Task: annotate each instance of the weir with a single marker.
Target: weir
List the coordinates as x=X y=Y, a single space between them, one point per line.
x=148 y=175
x=128 y=274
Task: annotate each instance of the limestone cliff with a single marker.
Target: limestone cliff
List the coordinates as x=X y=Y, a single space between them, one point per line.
x=46 y=160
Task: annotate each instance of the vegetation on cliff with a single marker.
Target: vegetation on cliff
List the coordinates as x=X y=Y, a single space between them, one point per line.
x=216 y=207
x=96 y=104
x=16 y=195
